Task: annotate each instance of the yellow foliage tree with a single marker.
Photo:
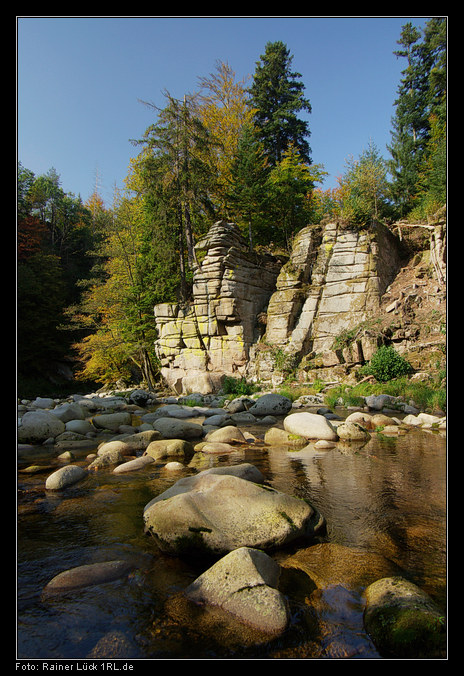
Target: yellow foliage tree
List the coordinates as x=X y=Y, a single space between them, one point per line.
x=224 y=111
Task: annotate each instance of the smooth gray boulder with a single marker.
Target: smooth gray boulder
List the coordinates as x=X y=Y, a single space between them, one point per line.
x=352 y=431
x=165 y=448
x=38 y=426
x=244 y=584
x=112 y=421
x=87 y=575
x=67 y=412
x=310 y=426
x=133 y=465
x=80 y=426
x=43 y=402
x=227 y=435
x=271 y=404
x=379 y=401
x=65 y=476
x=215 y=514
x=172 y=428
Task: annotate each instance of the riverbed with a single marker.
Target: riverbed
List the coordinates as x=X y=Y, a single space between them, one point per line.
x=386 y=497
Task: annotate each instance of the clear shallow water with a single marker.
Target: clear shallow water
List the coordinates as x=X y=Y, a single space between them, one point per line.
x=387 y=498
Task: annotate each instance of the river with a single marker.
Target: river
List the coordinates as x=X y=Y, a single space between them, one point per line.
x=387 y=498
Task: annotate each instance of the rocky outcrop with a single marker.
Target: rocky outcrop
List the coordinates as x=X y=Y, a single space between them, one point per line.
x=199 y=344
x=350 y=273
x=333 y=281
x=287 y=301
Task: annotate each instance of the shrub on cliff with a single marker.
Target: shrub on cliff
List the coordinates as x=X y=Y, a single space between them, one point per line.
x=386 y=364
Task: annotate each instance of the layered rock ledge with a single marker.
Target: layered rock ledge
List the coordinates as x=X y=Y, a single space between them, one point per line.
x=201 y=343
x=242 y=301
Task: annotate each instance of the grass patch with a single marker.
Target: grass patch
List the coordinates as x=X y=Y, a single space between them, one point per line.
x=424 y=396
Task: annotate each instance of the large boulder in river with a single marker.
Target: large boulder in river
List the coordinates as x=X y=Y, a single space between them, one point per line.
x=351 y=431
x=80 y=427
x=112 y=421
x=214 y=514
x=70 y=411
x=403 y=621
x=165 y=448
x=172 y=428
x=43 y=402
x=244 y=584
x=227 y=435
x=310 y=426
x=37 y=426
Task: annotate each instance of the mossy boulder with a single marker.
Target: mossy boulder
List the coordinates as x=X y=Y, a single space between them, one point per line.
x=403 y=621
x=211 y=514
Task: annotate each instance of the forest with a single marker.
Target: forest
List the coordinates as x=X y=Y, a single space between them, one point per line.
x=89 y=274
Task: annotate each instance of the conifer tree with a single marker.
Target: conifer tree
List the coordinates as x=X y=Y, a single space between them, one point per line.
x=276 y=94
x=247 y=193
x=420 y=109
x=409 y=124
x=173 y=171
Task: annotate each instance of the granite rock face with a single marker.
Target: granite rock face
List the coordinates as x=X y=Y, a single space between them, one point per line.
x=351 y=271
x=242 y=301
x=333 y=282
x=212 y=337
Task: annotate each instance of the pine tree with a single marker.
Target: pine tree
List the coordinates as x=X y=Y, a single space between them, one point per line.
x=173 y=170
x=420 y=111
x=276 y=94
x=409 y=124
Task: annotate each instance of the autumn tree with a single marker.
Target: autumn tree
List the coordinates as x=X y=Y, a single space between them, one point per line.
x=117 y=311
x=222 y=106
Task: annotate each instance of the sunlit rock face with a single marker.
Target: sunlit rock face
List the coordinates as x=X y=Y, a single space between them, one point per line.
x=332 y=283
x=352 y=270
x=246 y=306
x=210 y=338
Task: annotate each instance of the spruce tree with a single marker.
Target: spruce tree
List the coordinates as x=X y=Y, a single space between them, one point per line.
x=409 y=125
x=276 y=95
x=419 y=123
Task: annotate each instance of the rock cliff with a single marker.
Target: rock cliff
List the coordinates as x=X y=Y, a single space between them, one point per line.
x=333 y=281
x=212 y=337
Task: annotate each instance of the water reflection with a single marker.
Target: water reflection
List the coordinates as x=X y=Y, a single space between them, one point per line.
x=386 y=498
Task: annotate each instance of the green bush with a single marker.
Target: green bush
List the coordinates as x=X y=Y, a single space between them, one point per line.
x=386 y=364
x=237 y=386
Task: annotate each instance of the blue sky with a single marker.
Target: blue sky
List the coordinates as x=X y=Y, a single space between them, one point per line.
x=81 y=80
